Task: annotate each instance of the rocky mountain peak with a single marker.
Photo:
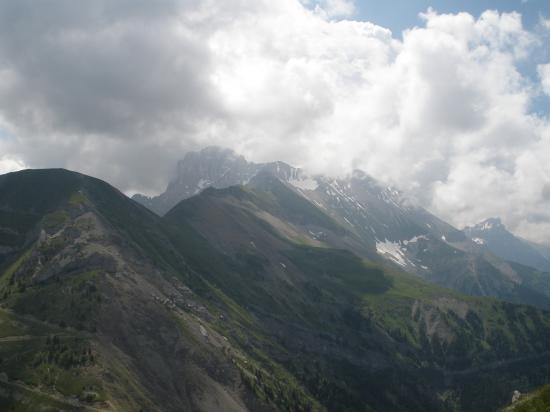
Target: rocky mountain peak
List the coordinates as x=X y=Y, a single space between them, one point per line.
x=219 y=168
x=210 y=165
x=498 y=239
x=488 y=224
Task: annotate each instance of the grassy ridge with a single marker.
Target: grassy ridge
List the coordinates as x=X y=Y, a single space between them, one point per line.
x=340 y=302
x=47 y=366
x=537 y=401
x=310 y=328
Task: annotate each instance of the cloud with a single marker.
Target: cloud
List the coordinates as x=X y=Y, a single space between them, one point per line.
x=121 y=89
x=337 y=8
x=331 y=9
x=544 y=75
x=8 y=164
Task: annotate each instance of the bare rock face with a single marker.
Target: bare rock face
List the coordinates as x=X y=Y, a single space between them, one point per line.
x=211 y=167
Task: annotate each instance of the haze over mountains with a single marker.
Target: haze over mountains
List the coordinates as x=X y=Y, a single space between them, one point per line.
x=259 y=289
x=379 y=222
x=494 y=235
x=351 y=207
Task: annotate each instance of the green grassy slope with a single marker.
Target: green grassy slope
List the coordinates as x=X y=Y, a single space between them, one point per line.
x=410 y=343
x=93 y=263
x=36 y=355
x=536 y=401
x=231 y=299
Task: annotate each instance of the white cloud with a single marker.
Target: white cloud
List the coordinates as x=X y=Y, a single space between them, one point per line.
x=8 y=164
x=443 y=113
x=331 y=9
x=544 y=75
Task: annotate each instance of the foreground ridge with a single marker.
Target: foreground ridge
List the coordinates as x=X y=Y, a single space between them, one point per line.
x=248 y=297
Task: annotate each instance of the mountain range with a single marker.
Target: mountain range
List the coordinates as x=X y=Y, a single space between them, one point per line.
x=380 y=223
x=255 y=288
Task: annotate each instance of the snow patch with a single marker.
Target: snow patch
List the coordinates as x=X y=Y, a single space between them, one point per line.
x=203 y=183
x=319 y=204
x=487 y=226
x=391 y=250
x=304 y=184
x=478 y=240
x=415 y=239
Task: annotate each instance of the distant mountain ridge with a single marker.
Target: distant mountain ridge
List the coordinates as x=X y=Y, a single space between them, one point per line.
x=499 y=240
x=380 y=223
x=211 y=167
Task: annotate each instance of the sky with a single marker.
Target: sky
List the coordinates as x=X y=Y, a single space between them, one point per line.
x=447 y=100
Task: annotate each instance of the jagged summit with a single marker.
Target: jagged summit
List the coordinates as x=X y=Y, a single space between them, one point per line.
x=215 y=167
x=212 y=166
x=379 y=221
x=494 y=235
x=219 y=167
x=212 y=163
x=488 y=224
